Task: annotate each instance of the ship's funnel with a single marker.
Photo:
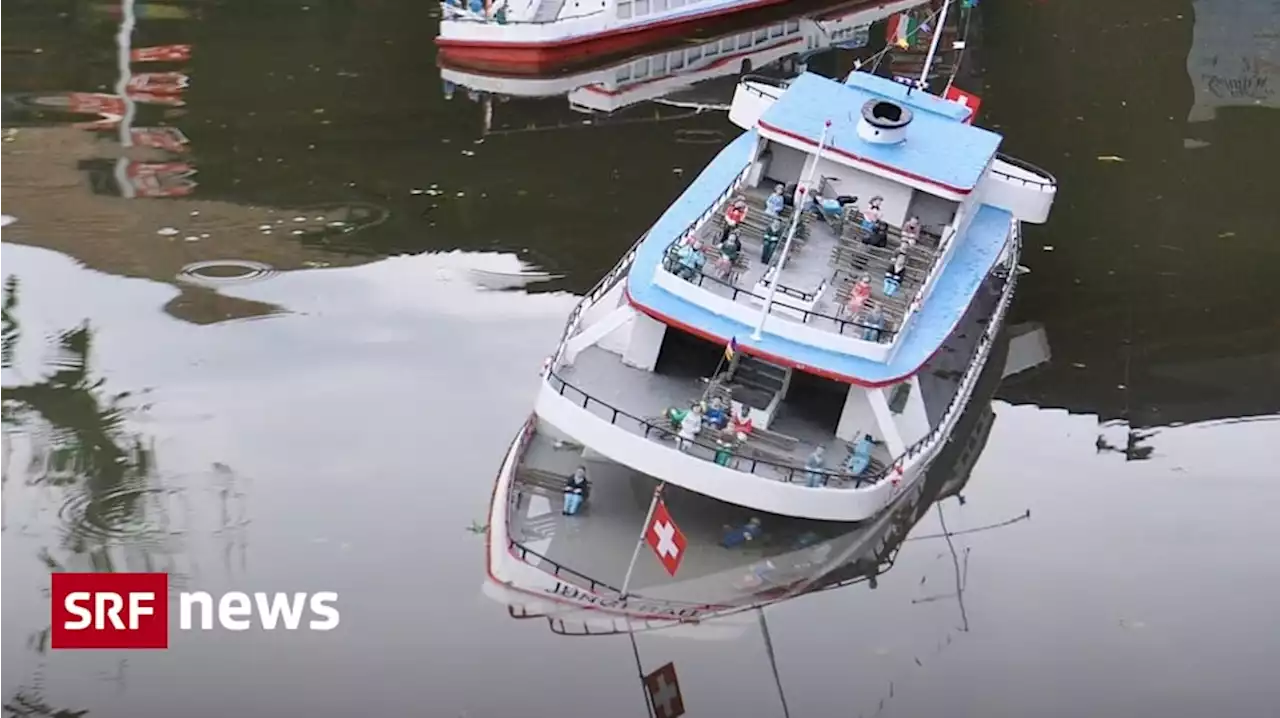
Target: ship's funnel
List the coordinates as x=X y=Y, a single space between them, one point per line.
x=884 y=122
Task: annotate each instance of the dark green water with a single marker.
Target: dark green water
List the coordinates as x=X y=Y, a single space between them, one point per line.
x=335 y=423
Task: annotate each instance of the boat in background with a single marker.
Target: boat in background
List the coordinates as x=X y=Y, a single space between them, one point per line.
x=656 y=75
x=543 y=36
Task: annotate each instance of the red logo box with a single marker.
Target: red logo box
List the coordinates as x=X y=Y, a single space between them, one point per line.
x=110 y=610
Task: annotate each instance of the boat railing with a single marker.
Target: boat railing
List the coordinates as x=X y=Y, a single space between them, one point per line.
x=523 y=552
x=787 y=312
x=1048 y=182
x=457 y=13
x=595 y=294
x=720 y=454
x=976 y=361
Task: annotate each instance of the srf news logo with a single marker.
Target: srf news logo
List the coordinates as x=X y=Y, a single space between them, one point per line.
x=131 y=610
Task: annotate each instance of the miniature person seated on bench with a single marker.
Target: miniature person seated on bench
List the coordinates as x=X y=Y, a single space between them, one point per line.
x=776 y=202
x=733 y=216
x=872 y=325
x=735 y=537
x=769 y=244
x=716 y=416
x=690 y=425
x=858 y=295
x=893 y=278
x=860 y=457
x=576 y=490
x=741 y=424
x=872 y=215
x=817 y=465
x=691 y=260
x=729 y=250
x=910 y=233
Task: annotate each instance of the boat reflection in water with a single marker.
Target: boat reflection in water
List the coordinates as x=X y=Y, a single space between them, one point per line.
x=611 y=88
x=543 y=564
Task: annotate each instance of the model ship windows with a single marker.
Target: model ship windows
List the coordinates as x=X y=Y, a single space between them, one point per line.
x=793 y=27
x=642 y=7
x=659 y=5
x=677 y=61
x=776 y=31
x=624 y=9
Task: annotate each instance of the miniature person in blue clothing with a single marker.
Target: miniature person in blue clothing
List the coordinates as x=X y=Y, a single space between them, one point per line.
x=872 y=325
x=893 y=278
x=776 y=202
x=576 y=490
x=860 y=457
x=817 y=465
x=716 y=416
x=735 y=537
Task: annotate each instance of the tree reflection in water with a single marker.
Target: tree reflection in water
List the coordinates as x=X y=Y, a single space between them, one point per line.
x=78 y=444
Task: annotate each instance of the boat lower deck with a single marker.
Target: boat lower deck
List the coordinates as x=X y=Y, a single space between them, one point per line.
x=596 y=545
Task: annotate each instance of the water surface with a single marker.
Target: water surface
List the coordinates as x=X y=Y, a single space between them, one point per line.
x=322 y=405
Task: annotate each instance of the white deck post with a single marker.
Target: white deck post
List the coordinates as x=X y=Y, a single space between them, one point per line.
x=884 y=419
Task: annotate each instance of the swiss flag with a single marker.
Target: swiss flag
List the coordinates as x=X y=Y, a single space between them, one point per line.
x=664 y=537
x=664 y=692
x=968 y=99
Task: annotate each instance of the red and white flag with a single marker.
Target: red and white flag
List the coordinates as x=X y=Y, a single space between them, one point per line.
x=968 y=99
x=665 y=538
x=664 y=692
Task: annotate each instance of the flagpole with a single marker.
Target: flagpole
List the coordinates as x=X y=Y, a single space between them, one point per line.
x=773 y=662
x=635 y=651
x=933 y=45
x=653 y=505
x=791 y=233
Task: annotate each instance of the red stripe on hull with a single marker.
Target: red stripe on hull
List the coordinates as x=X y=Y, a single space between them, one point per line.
x=771 y=358
x=536 y=57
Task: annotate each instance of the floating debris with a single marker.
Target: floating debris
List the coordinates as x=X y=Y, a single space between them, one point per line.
x=417 y=191
x=468 y=153
x=1111 y=158
x=195 y=213
x=166 y=231
x=264 y=227
x=192 y=238
x=1047 y=247
x=7 y=219
x=461 y=194
x=299 y=219
x=1226 y=235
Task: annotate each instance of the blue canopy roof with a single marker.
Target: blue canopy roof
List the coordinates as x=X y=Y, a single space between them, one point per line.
x=939 y=148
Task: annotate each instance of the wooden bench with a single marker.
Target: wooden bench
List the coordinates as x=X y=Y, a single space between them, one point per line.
x=540 y=481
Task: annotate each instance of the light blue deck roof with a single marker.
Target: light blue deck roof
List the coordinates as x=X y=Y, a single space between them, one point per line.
x=939 y=147
x=973 y=259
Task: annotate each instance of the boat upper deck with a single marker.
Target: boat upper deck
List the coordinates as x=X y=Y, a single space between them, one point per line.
x=941 y=150
x=975 y=254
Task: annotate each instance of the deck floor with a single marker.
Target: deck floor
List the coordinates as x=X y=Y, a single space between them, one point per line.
x=644 y=394
x=599 y=541
x=823 y=257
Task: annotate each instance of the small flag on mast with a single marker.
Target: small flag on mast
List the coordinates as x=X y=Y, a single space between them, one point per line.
x=731 y=350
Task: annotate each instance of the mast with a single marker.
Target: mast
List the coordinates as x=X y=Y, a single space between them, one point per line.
x=800 y=206
x=933 y=45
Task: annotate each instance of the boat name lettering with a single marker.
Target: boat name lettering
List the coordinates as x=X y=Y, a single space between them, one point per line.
x=577 y=594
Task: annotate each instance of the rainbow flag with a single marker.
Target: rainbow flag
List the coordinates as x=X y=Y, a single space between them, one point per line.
x=731 y=350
